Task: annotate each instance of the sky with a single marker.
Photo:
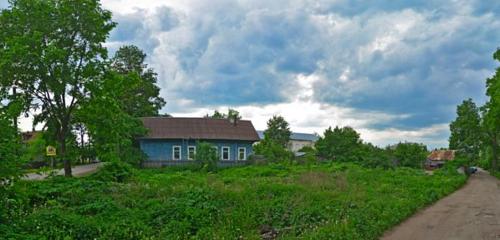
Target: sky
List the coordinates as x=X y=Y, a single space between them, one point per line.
x=393 y=70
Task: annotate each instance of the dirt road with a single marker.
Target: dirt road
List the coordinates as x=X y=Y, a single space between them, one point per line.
x=473 y=212
x=77 y=171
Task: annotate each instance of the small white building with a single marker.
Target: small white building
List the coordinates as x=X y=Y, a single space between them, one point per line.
x=298 y=140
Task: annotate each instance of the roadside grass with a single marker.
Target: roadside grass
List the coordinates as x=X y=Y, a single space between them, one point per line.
x=327 y=201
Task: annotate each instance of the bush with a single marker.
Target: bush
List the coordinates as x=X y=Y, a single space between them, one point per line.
x=114 y=172
x=273 y=152
x=206 y=155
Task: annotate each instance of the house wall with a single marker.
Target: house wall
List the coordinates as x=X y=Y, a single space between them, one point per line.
x=296 y=145
x=162 y=149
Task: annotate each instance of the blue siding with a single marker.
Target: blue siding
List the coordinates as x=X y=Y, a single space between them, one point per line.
x=161 y=150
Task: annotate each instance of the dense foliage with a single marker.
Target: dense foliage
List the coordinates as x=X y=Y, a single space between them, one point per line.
x=278 y=131
x=276 y=139
x=466 y=131
x=410 y=154
x=329 y=201
x=141 y=98
x=206 y=156
x=491 y=117
x=341 y=144
x=50 y=61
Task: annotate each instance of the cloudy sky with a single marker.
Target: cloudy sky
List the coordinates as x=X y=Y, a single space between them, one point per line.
x=394 y=70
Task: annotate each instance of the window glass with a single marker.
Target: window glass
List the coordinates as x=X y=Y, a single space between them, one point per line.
x=242 y=154
x=191 y=152
x=225 y=153
x=176 y=153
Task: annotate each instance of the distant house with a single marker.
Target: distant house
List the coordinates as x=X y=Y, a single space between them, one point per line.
x=172 y=141
x=438 y=158
x=297 y=140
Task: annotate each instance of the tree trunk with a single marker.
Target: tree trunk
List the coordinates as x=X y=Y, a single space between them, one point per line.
x=67 y=163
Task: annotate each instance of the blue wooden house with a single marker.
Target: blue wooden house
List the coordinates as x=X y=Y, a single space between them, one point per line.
x=172 y=141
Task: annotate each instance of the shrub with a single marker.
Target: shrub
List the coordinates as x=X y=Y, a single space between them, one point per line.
x=115 y=172
x=206 y=155
x=273 y=152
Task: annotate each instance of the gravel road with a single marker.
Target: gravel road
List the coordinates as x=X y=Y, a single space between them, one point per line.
x=78 y=171
x=472 y=212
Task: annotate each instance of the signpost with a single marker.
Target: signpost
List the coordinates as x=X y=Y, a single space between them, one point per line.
x=51 y=152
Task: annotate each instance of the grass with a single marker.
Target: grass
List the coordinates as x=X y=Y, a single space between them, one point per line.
x=329 y=201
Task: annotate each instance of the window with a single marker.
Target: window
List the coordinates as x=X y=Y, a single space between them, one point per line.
x=176 y=152
x=242 y=153
x=191 y=152
x=225 y=153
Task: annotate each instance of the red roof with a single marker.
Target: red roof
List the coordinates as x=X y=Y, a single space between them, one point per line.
x=199 y=128
x=442 y=155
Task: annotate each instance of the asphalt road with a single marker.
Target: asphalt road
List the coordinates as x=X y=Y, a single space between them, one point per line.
x=78 y=171
x=472 y=212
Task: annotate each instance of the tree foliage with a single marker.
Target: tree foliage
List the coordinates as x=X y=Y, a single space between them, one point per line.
x=491 y=115
x=206 y=155
x=10 y=148
x=51 y=50
x=410 y=154
x=142 y=96
x=466 y=131
x=278 y=131
x=341 y=144
x=231 y=114
x=111 y=128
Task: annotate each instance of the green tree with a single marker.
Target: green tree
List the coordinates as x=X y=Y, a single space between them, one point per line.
x=111 y=128
x=10 y=149
x=50 y=51
x=466 y=131
x=491 y=115
x=206 y=155
x=341 y=144
x=142 y=98
x=411 y=154
x=231 y=114
x=277 y=131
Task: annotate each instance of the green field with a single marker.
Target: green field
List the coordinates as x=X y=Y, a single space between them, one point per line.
x=328 y=201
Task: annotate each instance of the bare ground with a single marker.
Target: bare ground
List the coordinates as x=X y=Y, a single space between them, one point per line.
x=472 y=212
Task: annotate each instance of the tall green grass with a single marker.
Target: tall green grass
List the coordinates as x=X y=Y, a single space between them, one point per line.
x=329 y=201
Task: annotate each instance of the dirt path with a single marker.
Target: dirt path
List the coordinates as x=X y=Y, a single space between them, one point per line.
x=473 y=212
x=77 y=171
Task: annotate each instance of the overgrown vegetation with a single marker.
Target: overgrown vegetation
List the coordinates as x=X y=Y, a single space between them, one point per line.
x=477 y=137
x=325 y=201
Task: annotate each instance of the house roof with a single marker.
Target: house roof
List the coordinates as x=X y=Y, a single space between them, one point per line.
x=442 y=155
x=199 y=128
x=296 y=136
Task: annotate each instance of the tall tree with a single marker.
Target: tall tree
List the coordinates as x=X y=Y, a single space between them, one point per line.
x=111 y=129
x=341 y=144
x=466 y=131
x=410 y=154
x=491 y=114
x=277 y=131
x=50 y=51
x=141 y=99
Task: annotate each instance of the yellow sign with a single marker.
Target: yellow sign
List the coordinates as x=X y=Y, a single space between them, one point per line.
x=51 y=151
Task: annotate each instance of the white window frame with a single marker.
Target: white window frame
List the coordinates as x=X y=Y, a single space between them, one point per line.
x=244 y=153
x=228 y=153
x=194 y=152
x=173 y=152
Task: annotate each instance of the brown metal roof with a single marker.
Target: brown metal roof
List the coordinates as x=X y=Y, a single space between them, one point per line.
x=199 y=128
x=442 y=155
